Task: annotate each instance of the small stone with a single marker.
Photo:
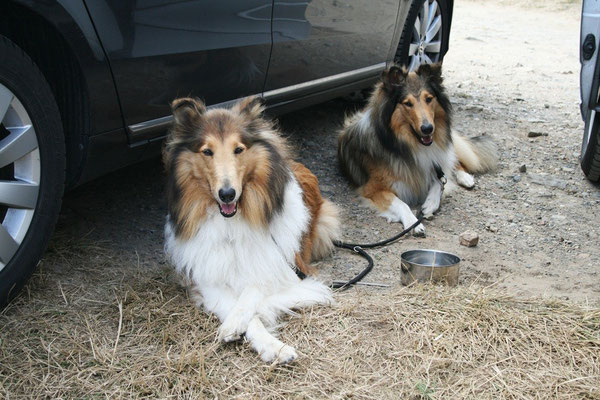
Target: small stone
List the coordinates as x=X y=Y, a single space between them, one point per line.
x=517 y=178
x=532 y=134
x=523 y=168
x=469 y=238
x=492 y=228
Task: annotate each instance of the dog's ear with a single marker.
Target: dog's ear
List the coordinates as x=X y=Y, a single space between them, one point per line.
x=393 y=77
x=251 y=107
x=187 y=110
x=431 y=71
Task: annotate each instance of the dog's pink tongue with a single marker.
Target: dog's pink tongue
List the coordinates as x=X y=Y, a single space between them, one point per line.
x=427 y=139
x=228 y=208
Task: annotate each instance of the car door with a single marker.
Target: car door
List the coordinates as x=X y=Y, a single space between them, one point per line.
x=162 y=49
x=314 y=39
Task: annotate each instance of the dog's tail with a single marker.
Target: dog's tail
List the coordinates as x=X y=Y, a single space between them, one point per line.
x=327 y=230
x=477 y=155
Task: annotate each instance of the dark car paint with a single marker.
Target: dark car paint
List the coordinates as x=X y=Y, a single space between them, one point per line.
x=72 y=21
x=162 y=49
x=132 y=72
x=318 y=38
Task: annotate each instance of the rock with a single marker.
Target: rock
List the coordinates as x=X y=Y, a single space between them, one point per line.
x=523 y=168
x=517 y=178
x=469 y=238
x=493 y=228
x=532 y=134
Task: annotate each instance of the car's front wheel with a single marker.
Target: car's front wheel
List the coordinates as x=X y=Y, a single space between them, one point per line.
x=32 y=167
x=425 y=34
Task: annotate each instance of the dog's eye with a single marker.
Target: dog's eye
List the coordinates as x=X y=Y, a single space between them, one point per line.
x=207 y=152
x=238 y=150
x=407 y=104
x=428 y=99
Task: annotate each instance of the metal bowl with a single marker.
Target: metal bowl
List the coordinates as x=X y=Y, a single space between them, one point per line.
x=429 y=266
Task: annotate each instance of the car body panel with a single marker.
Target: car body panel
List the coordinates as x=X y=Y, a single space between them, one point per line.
x=160 y=50
x=319 y=38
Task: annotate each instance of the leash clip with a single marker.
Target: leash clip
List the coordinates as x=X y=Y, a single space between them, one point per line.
x=356 y=249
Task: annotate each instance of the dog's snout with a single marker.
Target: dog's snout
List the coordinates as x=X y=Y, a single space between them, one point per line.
x=227 y=194
x=426 y=129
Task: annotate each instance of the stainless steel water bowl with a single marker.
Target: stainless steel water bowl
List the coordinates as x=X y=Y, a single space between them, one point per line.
x=429 y=266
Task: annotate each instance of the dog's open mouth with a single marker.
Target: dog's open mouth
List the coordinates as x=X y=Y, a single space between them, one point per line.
x=426 y=140
x=228 y=210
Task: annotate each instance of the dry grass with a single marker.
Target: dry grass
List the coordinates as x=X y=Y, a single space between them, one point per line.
x=121 y=330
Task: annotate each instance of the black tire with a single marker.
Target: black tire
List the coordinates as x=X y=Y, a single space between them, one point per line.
x=590 y=150
x=402 y=56
x=23 y=78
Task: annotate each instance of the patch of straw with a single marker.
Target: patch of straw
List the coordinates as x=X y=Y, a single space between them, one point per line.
x=132 y=332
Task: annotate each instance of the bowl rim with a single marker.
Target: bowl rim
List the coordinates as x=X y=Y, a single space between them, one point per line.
x=458 y=259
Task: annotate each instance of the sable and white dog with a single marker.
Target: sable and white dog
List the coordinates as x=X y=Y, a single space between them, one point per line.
x=393 y=149
x=244 y=221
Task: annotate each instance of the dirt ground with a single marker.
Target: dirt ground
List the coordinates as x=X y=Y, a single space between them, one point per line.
x=512 y=69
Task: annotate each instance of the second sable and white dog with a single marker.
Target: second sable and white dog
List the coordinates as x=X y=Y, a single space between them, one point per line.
x=244 y=221
x=395 y=148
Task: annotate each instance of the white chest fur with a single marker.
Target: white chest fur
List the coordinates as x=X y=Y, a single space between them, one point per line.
x=426 y=158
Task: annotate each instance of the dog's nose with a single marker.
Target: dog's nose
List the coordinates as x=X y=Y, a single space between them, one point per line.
x=227 y=194
x=426 y=129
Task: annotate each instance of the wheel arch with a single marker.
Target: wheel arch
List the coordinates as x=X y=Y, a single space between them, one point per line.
x=68 y=53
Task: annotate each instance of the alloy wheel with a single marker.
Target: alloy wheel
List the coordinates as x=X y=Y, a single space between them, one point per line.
x=425 y=45
x=20 y=172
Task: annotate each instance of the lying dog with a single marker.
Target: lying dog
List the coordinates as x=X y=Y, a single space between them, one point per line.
x=244 y=221
x=395 y=150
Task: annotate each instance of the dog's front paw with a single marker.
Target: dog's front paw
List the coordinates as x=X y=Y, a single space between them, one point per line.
x=232 y=329
x=419 y=231
x=429 y=207
x=279 y=354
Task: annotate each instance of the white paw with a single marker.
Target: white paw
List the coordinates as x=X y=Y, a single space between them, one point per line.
x=419 y=230
x=429 y=207
x=232 y=329
x=279 y=354
x=465 y=179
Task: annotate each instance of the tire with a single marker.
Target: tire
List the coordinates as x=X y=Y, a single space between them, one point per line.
x=32 y=167
x=590 y=147
x=415 y=46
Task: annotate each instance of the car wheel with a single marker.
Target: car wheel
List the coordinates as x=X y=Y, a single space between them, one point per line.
x=424 y=36
x=590 y=147
x=32 y=167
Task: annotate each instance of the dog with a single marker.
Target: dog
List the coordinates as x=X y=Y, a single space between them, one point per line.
x=244 y=221
x=398 y=149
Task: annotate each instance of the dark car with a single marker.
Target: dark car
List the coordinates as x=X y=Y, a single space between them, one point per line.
x=85 y=85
